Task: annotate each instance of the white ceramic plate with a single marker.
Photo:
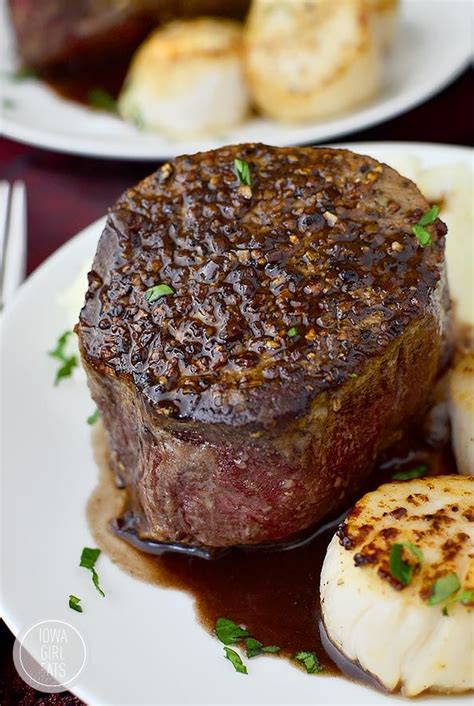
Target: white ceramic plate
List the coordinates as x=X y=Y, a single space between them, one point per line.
x=144 y=643
x=433 y=46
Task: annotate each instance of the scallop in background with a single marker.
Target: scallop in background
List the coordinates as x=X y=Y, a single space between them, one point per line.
x=187 y=79
x=309 y=60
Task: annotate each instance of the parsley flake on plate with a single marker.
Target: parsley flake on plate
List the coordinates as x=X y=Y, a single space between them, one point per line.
x=74 y=602
x=236 y=660
x=292 y=332
x=229 y=632
x=68 y=363
x=309 y=661
x=253 y=648
x=417 y=472
x=98 y=98
x=24 y=73
x=399 y=568
x=158 y=291
x=89 y=557
x=93 y=418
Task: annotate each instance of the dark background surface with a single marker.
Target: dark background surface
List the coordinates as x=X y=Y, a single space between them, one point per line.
x=66 y=193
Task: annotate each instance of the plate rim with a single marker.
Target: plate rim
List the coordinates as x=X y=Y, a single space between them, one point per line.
x=338 y=126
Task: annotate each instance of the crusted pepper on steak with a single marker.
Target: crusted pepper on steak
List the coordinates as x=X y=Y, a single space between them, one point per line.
x=255 y=333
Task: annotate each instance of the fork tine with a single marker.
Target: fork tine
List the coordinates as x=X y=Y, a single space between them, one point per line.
x=15 y=248
x=4 y=207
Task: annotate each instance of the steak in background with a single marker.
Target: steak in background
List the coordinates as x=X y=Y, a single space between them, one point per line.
x=55 y=32
x=305 y=330
x=52 y=32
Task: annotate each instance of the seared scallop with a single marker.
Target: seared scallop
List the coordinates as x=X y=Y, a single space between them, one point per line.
x=397 y=585
x=307 y=60
x=187 y=79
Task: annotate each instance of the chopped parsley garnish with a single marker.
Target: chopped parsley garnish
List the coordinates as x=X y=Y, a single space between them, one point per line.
x=242 y=169
x=88 y=559
x=399 y=568
x=94 y=417
x=292 y=332
x=136 y=117
x=253 y=648
x=417 y=472
x=23 y=73
x=465 y=597
x=58 y=352
x=444 y=588
x=353 y=375
x=430 y=216
x=310 y=662
x=158 y=291
x=98 y=98
x=65 y=371
x=423 y=236
x=229 y=632
x=68 y=363
x=74 y=603
x=236 y=660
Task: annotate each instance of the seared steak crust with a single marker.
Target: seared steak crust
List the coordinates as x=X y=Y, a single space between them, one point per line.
x=324 y=245
x=303 y=333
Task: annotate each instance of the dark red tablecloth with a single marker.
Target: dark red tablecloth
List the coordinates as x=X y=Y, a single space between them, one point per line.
x=66 y=193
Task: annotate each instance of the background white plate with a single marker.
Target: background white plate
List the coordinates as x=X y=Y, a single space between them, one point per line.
x=144 y=643
x=433 y=46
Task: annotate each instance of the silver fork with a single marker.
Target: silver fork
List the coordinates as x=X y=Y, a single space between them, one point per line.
x=12 y=239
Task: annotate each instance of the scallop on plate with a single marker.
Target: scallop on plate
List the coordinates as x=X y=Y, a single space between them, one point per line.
x=245 y=627
x=188 y=90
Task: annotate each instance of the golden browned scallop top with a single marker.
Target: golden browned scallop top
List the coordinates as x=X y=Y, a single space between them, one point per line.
x=280 y=290
x=434 y=514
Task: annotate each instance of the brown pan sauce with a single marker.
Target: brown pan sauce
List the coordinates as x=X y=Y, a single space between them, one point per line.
x=77 y=83
x=275 y=594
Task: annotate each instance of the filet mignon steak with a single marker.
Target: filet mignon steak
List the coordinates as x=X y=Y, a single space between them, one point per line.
x=302 y=332
x=54 y=32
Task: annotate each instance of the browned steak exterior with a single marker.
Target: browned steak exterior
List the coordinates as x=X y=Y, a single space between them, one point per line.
x=304 y=333
x=52 y=32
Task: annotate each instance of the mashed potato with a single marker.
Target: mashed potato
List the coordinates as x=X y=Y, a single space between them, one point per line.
x=461 y=412
x=452 y=187
x=414 y=634
x=187 y=79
